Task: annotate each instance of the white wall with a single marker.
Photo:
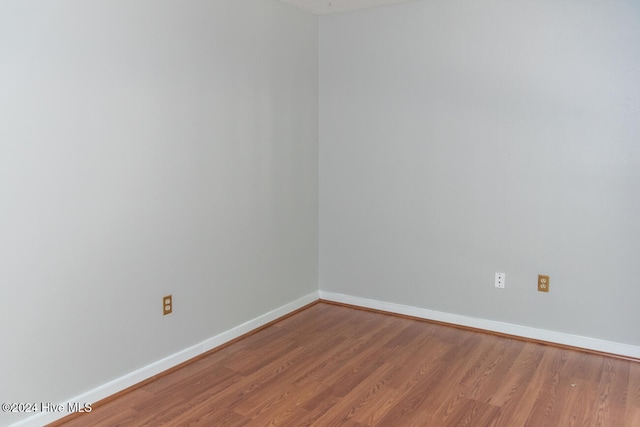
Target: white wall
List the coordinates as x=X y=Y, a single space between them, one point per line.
x=148 y=147
x=459 y=138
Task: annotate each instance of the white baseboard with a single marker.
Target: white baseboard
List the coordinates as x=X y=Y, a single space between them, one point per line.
x=162 y=365
x=489 y=325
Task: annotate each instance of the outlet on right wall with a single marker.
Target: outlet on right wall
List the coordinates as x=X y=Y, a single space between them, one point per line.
x=459 y=138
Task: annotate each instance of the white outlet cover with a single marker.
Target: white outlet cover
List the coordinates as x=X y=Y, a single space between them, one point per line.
x=500 y=280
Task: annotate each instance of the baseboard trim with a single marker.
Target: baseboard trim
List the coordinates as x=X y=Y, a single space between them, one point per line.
x=608 y=348
x=163 y=366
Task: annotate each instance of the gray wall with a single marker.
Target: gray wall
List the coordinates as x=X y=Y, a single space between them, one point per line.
x=459 y=138
x=146 y=148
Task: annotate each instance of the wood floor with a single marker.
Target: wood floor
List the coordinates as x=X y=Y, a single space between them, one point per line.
x=331 y=365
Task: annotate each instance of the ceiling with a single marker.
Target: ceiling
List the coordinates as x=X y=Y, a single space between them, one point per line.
x=325 y=7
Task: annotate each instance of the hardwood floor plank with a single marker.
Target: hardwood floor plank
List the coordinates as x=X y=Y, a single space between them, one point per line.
x=362 y=401
x=318 y=405
x=520 y=372
x=469 y=413
x=284 y=383
x=547 y=400
x=612 y=391
x=580 y=397
x=213 y=417
x=632 y=416
x=331 y=365
x=415 y=394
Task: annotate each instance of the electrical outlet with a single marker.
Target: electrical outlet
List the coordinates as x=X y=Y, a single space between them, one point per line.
x=543 y=283
x=500 y=280
x=167 y=305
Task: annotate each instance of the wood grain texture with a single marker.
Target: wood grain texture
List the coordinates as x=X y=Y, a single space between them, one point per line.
x=331 y=365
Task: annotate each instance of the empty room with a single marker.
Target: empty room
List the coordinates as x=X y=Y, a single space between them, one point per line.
x=312 y=212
